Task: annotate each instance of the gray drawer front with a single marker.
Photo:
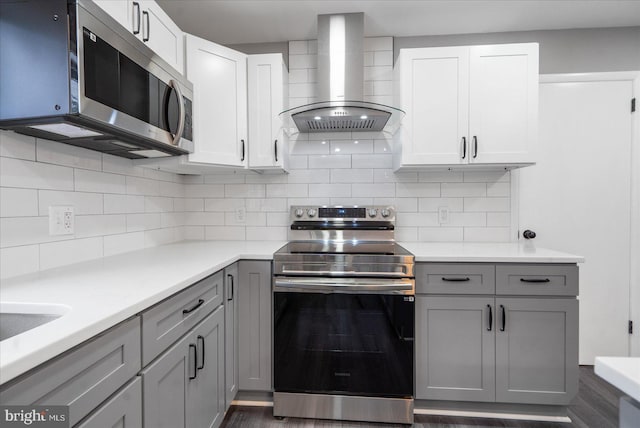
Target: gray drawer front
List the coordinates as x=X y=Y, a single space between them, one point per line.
x=455 y=278
x=85 y=376
x=123 y=410
x=537 y=279
x=165 y=323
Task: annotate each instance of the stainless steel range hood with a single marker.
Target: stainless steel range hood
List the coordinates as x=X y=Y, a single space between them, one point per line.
x=341 y=105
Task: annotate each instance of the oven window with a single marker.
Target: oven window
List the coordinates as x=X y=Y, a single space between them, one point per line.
x=344 y=344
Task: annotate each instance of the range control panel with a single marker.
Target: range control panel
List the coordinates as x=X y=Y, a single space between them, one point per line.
x=342 y=213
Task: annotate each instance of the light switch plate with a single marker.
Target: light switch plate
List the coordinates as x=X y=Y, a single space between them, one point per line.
x=61 y=220
x=443 y=215
x=241 y=215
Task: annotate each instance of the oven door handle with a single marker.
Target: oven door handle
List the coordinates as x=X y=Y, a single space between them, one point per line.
x=351 y=286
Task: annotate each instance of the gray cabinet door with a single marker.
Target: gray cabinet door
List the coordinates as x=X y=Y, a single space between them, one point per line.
x=123 y=410
x=455 y=354
x=537 y=351
x=205 y=393
x=254 y=325
x=83 y=377
x=231 y=333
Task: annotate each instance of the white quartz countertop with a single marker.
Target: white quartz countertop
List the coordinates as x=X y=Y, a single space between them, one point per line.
x=486 y=252
x=101 y=293
x=621 y=372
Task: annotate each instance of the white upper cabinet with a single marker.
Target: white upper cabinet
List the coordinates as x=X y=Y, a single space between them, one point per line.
x=147 y=21
x=267 y=86
x=467 y=105
x=219 y=77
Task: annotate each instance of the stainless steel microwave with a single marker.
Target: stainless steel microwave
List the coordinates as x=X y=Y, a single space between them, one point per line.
x=69 y=72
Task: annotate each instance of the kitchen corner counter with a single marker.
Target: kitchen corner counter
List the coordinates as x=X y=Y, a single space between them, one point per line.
x=621 y=372
x=486 y=252
x=104 y=292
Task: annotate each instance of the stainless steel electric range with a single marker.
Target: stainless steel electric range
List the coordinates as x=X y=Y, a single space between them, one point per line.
x=344 y=317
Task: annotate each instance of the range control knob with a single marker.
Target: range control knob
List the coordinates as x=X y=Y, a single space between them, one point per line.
x=299 y=212
x=385 y=213
x=311 y=212
x=373 y=212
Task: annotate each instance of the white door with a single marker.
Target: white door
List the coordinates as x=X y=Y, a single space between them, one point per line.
x=503 y=102
x=121 y=11
x=434 y=91
x=219 y=77
x=162 y=35
x=577 y=199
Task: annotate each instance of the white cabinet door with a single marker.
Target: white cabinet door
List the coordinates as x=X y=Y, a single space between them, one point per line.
x=219 y=77
x=161 y=34
x=267 y=80
x=503 y=103
x=120 y=10
x=434 y=92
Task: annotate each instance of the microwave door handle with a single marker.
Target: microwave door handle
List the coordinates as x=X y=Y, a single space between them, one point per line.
x=176 y=138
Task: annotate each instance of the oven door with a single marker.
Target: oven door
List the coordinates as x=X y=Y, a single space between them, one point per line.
x=333 y=338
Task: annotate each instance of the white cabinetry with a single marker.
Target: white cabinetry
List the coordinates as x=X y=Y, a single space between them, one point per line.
x=219 y=77
x=470 y=105
x=267 y=89
x=147 y=20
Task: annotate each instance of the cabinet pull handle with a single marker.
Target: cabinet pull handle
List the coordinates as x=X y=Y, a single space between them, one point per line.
x=195 y=361
x=504 y=318
x=201 y=340
x=475 y=147
x=464 y=147
x=275 y=149
x=136 y=5
x=535 y=280
x=231 y=280
x=193 y=308
x=465 y=279
x=242 y=158
x=490 y=318
x=146 y=39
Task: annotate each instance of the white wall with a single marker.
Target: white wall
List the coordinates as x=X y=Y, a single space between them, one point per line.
x=348 y=168
x=118 y=207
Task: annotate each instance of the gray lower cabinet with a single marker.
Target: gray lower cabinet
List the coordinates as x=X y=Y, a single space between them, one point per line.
x=254 y=325
x=84 y=377
x=536 y=350
x=231 y=333
x=123 y=410
x=184 y=387
x=455 y=349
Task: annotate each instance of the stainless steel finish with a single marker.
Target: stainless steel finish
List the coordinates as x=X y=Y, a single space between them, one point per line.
x=373 y=212
x=180 y=130
x=385 y=213
x=342 y=407
x=303 y=210
x=341 y=118
x=311 y=212
x=404 y=286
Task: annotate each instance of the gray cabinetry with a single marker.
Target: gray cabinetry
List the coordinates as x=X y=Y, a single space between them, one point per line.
x=254 y=326
x=83 y=377
x=231 y=333
x=123 y=410
x=184 y=387
x=171 y=319
x=455 y=353
x=515 y=343
x=536 y=350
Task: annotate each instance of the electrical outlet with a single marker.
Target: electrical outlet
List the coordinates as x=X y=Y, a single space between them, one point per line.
x=61 y=220
x=443 y=215
x=241 y=215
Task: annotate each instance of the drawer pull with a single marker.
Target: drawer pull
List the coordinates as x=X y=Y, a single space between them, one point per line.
x=465 y=279
x=490 y=318
x=195 y=361
x=193 y=308
x=201 y=340
x=535 y=280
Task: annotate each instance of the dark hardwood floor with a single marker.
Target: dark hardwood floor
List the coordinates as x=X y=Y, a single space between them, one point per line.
x=596 y=406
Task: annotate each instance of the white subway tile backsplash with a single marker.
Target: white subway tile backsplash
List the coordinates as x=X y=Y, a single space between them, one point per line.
x=402 y=205
x=417 y=189
x=298 y=47
x=383 y=87
x=378 y=72
x=498 y=189
x=99 y=225
x=354 y=145
x=204 y=191
x=172 y=220
x=329 y=190
x=302 y=61
x=499 y=219
x=312 y=75
x=256 y=178
x=467 y=219
x=34 y=175
x=302 y=90
x=222 y=204
x=346 y=201
x=306 y=147
x=280 y=219
x=418 y=219
x=244 y=190
x=382 y=146
x=388 y=176
x=298 y=162
x=153 y=238
x=21 y=260
x=383 y=58
x=371 y=161
x=464 y=189
x=432 y=204
x=142 y=186
x=118 y=165
x=194 y=232
x=352 y=176
x=123 y=243
x=193 y=204
x=267 y=205
x=123 y=204
x=298 y=76
x=309 y=175
x=18 y=202
x=267 y=233
x=406 y=233
x=486 y=176
x=369 y=59
x=297 y=190
x=99 y=182
x=385 y=190
x=138 y=222
x=72 y=251
x=250 y=219
x=378 y=44
x=330 y=136
x=225 y=178
x=82 y=202
x=158 y=175
x=487 y=204
x=66 y=155
x=206 y=218
x=174 y=190
x=313 y=46
x=440 y=234
x=15 y=231
x=440 y=177
x=18 y=146
x=486 y=234
x=331 y=161
x=225 y=233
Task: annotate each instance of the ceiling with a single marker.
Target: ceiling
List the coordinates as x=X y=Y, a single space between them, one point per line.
x=257 y=21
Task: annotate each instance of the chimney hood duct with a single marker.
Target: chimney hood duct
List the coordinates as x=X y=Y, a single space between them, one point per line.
x=341 y=106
